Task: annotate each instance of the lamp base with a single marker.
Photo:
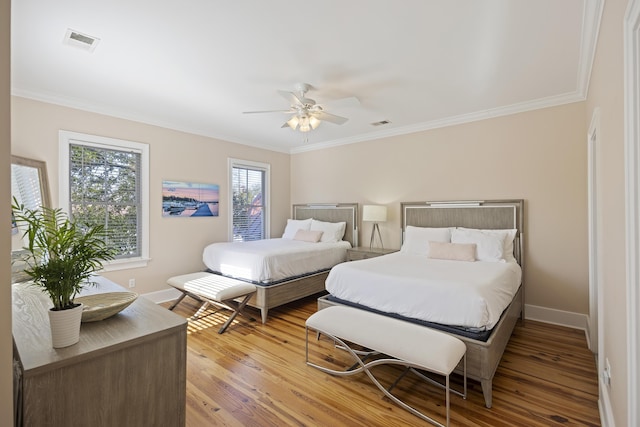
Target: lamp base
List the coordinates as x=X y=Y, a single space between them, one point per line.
x=373 y=233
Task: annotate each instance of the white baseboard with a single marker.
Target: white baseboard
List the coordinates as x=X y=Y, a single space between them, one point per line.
x=556 y=317
x=163 y=296
x=604 y=405
x=587 y=332
x=532 y=312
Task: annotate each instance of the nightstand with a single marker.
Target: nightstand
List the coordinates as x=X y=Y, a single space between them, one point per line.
x=363 y=252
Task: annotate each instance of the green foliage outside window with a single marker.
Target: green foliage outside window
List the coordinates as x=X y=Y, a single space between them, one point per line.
x=248 y=218
x=105 y=190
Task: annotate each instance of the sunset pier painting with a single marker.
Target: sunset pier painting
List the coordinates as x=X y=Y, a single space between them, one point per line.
x=189 y=199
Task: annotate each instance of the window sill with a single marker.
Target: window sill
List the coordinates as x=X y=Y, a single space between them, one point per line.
x=123 y=264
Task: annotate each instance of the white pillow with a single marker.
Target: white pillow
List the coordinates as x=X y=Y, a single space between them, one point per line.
x=490 y=246
x=308 y=236
x=508 y=235
x=331 y=231
x=416 y=239
x=293 y=225
x=452 y=251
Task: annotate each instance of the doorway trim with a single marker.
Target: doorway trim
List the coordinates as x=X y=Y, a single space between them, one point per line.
x=594 y=325
x=631 y=31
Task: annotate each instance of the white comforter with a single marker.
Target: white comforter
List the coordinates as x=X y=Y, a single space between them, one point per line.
x=465 y=294
x=271 y=260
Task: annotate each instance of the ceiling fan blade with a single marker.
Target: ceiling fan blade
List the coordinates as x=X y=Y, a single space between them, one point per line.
x=328 y=117
x=291 y=97
x=268 y=111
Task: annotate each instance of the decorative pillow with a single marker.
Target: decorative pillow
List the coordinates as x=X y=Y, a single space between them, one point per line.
x=331 y=231
x=508 y=235
x=452 y=251
x=308 y=236
x=293 y=225
x=490 y=246
x=416 y=239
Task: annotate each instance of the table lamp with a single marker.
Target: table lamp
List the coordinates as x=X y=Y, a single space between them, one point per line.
x=375 y=214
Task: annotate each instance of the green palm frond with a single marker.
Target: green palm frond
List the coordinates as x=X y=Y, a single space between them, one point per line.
x=61 y=255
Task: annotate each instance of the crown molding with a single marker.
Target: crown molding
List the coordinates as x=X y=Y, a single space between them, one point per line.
x=537 y=104
x=140 y=118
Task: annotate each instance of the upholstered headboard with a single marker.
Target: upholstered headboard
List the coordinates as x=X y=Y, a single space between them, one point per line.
x=486 y=214
x=332 y=212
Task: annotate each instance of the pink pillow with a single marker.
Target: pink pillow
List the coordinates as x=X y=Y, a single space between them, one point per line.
x=452 y=251
x=312 y=236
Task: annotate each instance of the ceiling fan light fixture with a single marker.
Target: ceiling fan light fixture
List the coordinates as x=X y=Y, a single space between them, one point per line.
x=305 y=126
x=293 y=122
x=306 y=115
x=314 y=122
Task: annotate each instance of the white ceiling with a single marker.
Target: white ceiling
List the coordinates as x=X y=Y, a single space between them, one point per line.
x=196 y=65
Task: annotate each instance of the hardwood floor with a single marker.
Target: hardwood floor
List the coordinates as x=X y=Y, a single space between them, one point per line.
x=255 y=375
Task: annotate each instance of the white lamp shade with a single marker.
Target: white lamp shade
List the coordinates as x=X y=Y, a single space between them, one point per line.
x=374 y=213
x=313 y=122
x=293 y=122
x=304 y=124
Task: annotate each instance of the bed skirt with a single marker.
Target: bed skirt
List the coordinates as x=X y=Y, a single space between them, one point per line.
x=475 y=335
x=274 y=282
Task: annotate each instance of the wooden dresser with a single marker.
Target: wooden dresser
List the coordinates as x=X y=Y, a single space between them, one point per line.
x=127 y=370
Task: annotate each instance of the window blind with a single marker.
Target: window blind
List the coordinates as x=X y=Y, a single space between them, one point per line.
x=25 y=186
x=104 y=188
x=248 y=185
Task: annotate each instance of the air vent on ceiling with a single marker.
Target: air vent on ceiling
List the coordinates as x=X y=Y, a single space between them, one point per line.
x=83 y=41
x=380 y=123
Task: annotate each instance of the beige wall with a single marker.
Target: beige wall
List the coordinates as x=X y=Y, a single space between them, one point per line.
x=176 y=243
x=6 y=346
x=539 y=156
x=606 y=92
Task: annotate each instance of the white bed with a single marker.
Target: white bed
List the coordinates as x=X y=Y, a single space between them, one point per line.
x=445 y=294
x=272 y=260
x=287 y=269
x=464 y=294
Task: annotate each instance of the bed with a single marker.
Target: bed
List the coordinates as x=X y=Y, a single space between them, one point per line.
x=285 y=270
x=488 y=314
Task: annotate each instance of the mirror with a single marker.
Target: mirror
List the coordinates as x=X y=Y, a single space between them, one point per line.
x=30 y=186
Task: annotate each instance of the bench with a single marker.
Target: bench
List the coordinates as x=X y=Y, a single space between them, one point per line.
x=210 y=288
x=412 y=346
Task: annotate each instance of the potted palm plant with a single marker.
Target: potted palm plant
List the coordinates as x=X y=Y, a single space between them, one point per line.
x=61 y=255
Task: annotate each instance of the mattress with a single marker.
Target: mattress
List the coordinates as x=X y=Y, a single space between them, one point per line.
x=478 y=335
x=272 y=260
x=470 y=295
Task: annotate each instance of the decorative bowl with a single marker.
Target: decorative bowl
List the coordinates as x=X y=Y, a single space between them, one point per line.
x=102 y=306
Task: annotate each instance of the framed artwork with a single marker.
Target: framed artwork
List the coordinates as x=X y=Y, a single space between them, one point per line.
x=189 y=199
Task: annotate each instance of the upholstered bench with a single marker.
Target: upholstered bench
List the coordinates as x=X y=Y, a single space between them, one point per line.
x=214 y=289
x=413 y=346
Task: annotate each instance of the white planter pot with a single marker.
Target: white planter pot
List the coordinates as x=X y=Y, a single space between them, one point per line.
x=65 y=326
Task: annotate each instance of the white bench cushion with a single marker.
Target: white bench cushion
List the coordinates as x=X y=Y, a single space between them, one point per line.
x=212 y=286
x=435 y=351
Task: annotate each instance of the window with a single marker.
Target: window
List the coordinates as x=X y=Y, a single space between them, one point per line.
x=249 y=187
x=105 y=180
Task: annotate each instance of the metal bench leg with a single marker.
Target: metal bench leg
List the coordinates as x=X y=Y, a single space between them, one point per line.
x=181 y=297
x=237 y=309
x=178 y=301
x=201 y=310
x=366 y=368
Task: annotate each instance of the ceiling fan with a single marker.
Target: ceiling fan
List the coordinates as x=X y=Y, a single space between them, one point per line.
x=306 y=113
